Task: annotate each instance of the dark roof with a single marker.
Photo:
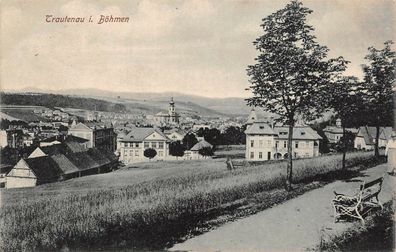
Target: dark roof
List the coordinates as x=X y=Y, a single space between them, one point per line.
x=71 y=138
x=92 y=158
x=64 y=164
x=44 y=168
x=75 y=147
x=53 y=149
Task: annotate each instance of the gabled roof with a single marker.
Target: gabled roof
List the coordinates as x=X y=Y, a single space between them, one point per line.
x=44 y=168
x=369 y=134
x=64 y=164
x=299 y=133
x=200 y=145
x=178 y=131
x=260 y=128
x=252 y=117
x=139 y=134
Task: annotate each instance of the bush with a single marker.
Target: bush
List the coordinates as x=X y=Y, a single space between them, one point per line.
x=206 y=151
x=150 y=153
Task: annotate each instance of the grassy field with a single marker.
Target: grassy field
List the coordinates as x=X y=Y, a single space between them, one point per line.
x=139 y=207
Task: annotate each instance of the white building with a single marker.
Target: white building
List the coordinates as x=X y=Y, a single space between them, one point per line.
x=365 y=138
x=334 y=133
x=131 y=147
x=175 y=134
x=266 y=143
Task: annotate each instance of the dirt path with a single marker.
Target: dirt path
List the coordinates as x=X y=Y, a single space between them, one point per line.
x=294 y=225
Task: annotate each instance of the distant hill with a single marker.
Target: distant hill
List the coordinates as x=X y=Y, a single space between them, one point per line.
x=52 y=101
x=153 y=102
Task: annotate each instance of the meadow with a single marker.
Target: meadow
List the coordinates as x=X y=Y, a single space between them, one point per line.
x=142 y=206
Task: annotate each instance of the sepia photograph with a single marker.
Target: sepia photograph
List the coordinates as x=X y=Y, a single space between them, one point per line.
x=197 y=125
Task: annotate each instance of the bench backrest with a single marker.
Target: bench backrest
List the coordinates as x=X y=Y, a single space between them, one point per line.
x=372 y=183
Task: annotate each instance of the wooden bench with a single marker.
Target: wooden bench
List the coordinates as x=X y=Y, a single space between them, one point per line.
x=231 y=165
x=358 y=205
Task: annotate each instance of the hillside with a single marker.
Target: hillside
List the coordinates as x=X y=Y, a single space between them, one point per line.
x=154 y=102
x=52 y=101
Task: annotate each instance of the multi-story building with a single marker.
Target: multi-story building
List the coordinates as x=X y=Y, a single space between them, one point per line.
x=264 y=142
x=132 y=146
x=101 y=136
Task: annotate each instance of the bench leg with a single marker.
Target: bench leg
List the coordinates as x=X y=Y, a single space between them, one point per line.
x=359 y=216
x=379 y=202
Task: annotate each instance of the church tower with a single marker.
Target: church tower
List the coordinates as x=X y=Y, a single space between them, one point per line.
x=171 y=110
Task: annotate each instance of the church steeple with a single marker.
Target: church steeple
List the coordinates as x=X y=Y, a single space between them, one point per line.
x=171 y=110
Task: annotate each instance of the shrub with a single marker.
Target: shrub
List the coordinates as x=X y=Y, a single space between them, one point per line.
x=150 y=153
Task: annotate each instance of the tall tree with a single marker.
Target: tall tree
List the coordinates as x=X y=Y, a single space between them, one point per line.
x=379 y=76
x=291 y=69
x=176 y=149
x=189 y=141
x=344 y=98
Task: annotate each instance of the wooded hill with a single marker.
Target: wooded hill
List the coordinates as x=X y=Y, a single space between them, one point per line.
x=52 y=101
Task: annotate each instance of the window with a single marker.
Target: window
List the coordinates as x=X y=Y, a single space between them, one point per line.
x=260 y=143
x=316 y=143
x=302 y=144
x=260 y=155
x=137 y=145
x=276 y=144
x=161 y=145
x=131 y=153
x=284 y=144
x=146 y=145
x=251 y=143
x=160 y=153
x=251 y=154
x=269 y=143
x=136 y=153
x=296 y=144
x=125 y=153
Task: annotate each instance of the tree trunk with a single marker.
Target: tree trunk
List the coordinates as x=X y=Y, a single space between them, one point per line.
x=344 y=147
x=376 y=144
x=289 y=158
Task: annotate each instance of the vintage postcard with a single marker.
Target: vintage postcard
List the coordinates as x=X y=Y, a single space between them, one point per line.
x=197 y=125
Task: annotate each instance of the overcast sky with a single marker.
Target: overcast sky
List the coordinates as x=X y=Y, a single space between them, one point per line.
x=195 y=47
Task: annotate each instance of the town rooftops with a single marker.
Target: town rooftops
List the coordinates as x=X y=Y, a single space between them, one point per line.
x=369 y=134
x=139 y=134
x=338 y=130
x=260 y=128
x=200 y=145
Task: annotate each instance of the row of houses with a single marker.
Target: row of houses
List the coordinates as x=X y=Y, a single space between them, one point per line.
x=364 y=136
x=69 y=159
